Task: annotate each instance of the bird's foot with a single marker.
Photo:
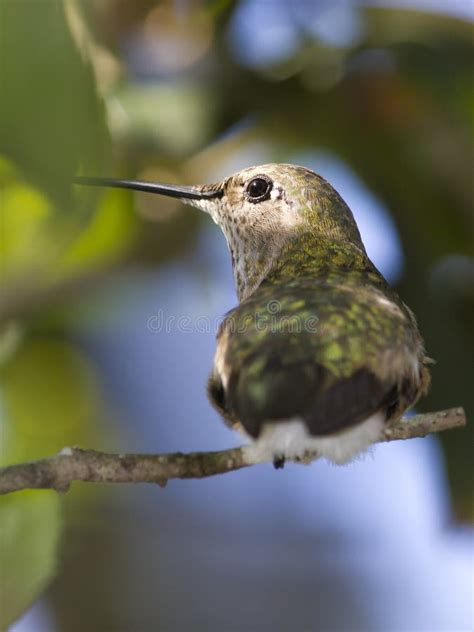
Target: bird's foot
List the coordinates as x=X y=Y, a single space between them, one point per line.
x=278 y=461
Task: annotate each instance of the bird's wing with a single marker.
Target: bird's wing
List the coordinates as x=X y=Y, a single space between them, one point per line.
x=331 y=355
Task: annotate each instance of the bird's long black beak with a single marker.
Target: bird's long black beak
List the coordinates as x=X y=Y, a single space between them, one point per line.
x=171 y=190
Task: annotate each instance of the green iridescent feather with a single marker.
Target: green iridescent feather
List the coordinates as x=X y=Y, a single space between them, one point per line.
x=313 y=342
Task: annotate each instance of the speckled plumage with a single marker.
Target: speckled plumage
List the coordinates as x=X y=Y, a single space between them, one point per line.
x=320 y=352
x=318 y=334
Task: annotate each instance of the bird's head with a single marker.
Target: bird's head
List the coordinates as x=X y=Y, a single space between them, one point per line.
x=260 y=211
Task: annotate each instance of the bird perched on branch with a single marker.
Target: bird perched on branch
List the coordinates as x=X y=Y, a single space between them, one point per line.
x=320 y=354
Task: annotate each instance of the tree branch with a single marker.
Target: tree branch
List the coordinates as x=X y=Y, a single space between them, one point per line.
x=74 y=464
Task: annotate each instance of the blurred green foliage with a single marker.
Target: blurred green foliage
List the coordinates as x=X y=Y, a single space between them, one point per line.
x=50 y=116
x=404 y=126
x=30 y=526
x=51 y=121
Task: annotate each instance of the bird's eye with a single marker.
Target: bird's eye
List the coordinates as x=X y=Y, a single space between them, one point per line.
x=258 y=189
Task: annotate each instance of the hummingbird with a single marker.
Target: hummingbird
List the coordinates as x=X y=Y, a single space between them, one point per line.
x=320 y=355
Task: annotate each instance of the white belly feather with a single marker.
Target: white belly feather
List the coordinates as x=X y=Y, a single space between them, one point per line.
x=292 y=440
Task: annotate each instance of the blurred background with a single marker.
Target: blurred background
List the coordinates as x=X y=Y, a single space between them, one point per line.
x=378 y=97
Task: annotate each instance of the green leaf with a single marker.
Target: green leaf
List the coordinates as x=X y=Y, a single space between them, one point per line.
x=110 y=233
x=51 y=118
x=50 y=399
x=24 y=210
x=30 y=527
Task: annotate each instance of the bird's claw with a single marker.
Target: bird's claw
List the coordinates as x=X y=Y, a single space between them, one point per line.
x=278 y=462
